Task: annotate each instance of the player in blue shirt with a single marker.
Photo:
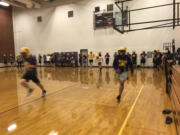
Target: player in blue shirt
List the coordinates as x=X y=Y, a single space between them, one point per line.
x=158 y=57
x=31 y=72
x=121 y=64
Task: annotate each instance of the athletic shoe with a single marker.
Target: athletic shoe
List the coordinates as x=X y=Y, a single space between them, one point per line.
x=43 y=93
x=166 y=111
x=118 y=98
x=169 y=120
x=30 y=91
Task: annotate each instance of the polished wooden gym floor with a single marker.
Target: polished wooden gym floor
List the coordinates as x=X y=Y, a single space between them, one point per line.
x=83 y=102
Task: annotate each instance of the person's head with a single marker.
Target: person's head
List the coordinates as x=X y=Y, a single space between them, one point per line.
x=143 y=51
x=90 y=52
x=4 y=54
x=134 y=52
x=157 y=50
x=25 y=52
x=122 y=51
x=107 y=53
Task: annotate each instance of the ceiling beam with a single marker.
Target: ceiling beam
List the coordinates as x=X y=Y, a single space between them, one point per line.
x=30 y=3
x=14 y=3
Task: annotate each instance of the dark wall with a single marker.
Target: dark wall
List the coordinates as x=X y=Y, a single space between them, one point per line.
x=6 y=32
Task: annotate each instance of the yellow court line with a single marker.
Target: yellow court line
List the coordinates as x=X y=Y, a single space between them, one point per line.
x=130 y=112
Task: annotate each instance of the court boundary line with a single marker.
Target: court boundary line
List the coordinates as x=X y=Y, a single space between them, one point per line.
x=37 y=99
x=130 y=112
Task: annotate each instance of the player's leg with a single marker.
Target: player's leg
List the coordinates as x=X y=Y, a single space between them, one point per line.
x=24 y=83
x=121 y=88
x=100 y=66
x=122 y=78
x=36 y=80
x=91 y=63
x=18 y=65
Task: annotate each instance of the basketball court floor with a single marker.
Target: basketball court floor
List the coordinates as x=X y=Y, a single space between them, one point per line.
x=82 y=101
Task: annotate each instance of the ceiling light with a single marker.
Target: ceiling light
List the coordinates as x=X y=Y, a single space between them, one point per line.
x=4 y=4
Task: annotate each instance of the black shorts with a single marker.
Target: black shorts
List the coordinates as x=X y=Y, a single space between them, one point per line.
x=158 y=62
x=143 y=61
x=31 y=76
x=107 y=61
x=90 y=61
x=134 y=62
x=99 y=63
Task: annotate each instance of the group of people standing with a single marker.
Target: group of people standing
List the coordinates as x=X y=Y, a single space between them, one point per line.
x=13 y=61
x=58 y=59
x=157 y=59
x=83 y=59
x=8 y=59
x=99 y=59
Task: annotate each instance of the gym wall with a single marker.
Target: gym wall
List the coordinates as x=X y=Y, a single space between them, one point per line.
x=6 y=32
x=57 y=32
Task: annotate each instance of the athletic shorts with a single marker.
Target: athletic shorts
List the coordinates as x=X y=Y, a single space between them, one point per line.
x=134 y=62
x=158 y=62
x=99 y=63
x=107 y=61
x=122 y=76
x=143 y=61
x=31 y=76
x=90 y=61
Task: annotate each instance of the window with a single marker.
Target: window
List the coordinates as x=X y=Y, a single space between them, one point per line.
x=70 y=14
x=110 y=7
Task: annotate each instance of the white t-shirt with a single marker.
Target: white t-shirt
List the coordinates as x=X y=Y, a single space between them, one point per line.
x=48 y=58
x=100 y=59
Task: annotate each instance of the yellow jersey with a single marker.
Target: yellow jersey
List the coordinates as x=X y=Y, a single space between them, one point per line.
x=91 y=56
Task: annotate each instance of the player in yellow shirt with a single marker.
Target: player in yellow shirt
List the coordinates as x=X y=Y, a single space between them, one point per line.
x=91 y=58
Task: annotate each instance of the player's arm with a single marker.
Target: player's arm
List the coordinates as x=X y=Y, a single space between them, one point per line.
x=115 y=64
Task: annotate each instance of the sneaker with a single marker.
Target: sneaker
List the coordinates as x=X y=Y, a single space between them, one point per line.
x=166 y=111
x=169 y=120
x=43 y=93
x=30 y=91
x=118 y=98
